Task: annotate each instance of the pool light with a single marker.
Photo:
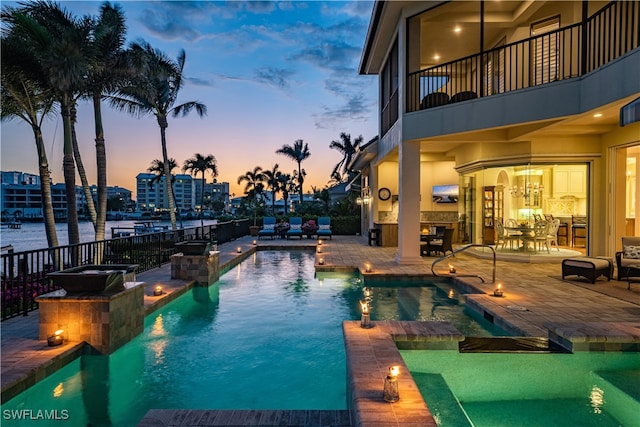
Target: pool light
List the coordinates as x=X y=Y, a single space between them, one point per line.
x=390 y=392
x=157 y=291
x=498 y=291
x=365 y=319
x=452 y=269
x=55 y=339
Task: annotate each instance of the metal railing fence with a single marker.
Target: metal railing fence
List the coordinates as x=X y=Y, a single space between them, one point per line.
x=557 y=55
x=23 y=275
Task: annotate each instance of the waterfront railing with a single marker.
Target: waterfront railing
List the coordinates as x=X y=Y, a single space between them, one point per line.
x=24 y=274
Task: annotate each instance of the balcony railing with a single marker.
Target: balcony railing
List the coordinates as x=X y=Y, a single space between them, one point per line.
x=566 y=53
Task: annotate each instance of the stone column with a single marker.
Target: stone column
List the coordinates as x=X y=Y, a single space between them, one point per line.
x=204 y=269
x=409 y=203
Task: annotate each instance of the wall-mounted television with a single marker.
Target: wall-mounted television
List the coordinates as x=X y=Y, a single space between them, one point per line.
x=445 y=193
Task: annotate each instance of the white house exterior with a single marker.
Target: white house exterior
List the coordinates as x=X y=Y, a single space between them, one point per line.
x=517 y=103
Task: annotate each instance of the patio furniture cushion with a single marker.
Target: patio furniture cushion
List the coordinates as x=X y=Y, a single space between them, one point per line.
x=632 y=252
x=587 y=267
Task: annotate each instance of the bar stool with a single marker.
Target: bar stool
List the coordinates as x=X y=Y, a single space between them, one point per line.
x=578 y=223
x=374 y=236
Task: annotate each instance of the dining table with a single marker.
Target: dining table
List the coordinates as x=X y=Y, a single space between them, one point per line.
x=521 y=233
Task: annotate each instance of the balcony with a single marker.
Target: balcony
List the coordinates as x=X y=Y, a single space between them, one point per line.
x=566 y=53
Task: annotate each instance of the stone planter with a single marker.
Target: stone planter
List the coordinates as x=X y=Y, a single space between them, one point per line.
x=194 y=247
x=94 y=278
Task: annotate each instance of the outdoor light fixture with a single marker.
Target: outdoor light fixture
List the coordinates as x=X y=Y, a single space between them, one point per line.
x=55 y=339
x=157 y=291
x=390 y=392
x=498 y=291
x=367 y=268
x=365 y=320
x=319 y=242
x=321 y=261
x=359 y=201
x=452 y=269
x=319 y=249
x=255 y=242
x=239 y=250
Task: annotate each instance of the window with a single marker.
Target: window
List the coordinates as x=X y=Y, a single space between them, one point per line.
x=389 y=90
x=545 y=50
x=494 y=78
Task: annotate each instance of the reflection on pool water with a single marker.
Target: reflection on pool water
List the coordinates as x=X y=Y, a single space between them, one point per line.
x=268 y=335
x=519 y=389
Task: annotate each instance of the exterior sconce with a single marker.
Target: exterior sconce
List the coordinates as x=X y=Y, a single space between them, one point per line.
x=55 y=339
x=359 y=201
x=498 y=291
x=390 y=392
x=157 y=291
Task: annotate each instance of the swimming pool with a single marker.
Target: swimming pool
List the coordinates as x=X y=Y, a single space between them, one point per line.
x=267 y=335
x=524 y=389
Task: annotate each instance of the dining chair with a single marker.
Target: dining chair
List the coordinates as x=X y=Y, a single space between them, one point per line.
x=539 y=235
x=578 y=222
x=552 y=233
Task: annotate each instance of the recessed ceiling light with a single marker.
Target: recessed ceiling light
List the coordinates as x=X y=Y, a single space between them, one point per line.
x=436 y=57
x=597 y=115
x=457 y=29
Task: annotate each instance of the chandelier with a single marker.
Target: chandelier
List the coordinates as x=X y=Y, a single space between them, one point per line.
x=527 y=190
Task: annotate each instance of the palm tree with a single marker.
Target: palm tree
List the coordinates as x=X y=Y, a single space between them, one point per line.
x=348 y=150
x=201 y=164
x=298 y=152
x=22 y=99
x=285 y=185
x=155 y=92
x=271 y=179
x=107 y=70
x=253 y=188
x=57 y=45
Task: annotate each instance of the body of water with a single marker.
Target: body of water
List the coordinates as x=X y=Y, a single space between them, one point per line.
x=31 y=235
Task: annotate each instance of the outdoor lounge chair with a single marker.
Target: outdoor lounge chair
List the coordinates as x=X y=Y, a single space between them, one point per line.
x=268 y=227
x=628 y=260
x=295 y=229
x=324 y=227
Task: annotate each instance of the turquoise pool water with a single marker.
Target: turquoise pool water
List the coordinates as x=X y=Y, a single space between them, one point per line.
x=268 y=335
x=519 y=389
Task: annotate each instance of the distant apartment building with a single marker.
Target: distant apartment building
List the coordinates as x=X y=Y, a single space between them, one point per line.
x=21 y=196
x=24 y=201
x=151 y=192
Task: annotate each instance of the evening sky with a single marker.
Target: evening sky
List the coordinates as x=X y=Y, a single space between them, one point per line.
x=269 y=73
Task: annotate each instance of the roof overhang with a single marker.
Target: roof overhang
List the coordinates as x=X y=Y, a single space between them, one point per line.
x=630 y=113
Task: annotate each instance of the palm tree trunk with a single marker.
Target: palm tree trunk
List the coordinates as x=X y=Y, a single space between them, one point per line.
x=45 y=190
x=101 y=163
x=69 y=170
x=202 y=204
x=300 y=180
x=167 y=176
x=81 y=172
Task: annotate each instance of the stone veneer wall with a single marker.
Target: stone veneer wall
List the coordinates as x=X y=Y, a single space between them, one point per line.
x=425 y=216
x=105 y=321
x=204 y=269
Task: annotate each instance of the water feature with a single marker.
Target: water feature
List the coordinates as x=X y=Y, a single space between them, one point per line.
x=267 y=335
x=525 y=389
